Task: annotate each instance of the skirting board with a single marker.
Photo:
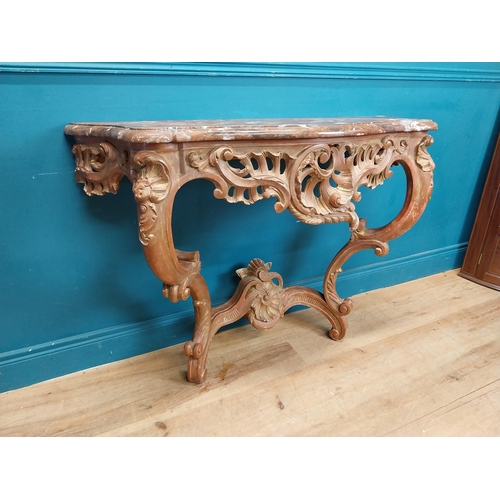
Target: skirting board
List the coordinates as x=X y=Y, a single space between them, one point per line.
x=25 y=367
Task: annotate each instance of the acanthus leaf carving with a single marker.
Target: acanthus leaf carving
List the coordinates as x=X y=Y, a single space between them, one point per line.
x=100 y=167
x=423 y=158
x=322 y=187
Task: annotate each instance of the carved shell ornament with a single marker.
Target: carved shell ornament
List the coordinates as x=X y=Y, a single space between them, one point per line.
x=151 y=183
x=266 y=307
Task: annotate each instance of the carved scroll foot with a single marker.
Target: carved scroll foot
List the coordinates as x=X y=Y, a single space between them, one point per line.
x=197 y=371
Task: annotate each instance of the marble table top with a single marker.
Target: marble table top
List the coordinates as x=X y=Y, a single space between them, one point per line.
x=173 y=131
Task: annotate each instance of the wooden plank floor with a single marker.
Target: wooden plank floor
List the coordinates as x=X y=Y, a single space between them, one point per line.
x=419 y=359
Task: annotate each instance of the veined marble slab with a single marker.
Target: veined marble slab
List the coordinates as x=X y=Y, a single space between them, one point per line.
x=231 y=130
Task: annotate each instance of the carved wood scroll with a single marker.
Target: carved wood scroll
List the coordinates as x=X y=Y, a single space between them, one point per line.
x=312 y=167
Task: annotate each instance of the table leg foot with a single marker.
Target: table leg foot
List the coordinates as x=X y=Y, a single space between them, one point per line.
x=196 y=371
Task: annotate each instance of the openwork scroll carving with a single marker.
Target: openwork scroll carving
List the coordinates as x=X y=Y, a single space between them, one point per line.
x=246 y=177
x=317 y=185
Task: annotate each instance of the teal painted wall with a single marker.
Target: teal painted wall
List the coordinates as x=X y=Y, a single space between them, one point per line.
x=75 y=290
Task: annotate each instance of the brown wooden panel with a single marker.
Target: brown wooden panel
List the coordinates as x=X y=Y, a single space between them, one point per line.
x=482 y=260
x=495 y=262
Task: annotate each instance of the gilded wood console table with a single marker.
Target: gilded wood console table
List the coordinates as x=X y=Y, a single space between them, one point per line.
x=313 y=167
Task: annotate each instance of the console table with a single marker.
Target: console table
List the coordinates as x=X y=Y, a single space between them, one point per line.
x=312 y=167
